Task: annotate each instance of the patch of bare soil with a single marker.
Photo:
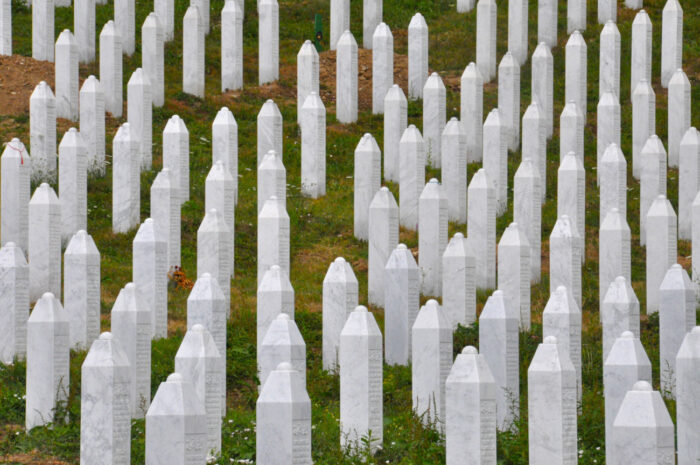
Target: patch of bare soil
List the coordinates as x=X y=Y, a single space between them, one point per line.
x=31 y=458
x=19 y=76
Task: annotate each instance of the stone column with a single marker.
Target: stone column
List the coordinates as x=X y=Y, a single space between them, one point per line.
x=643 y=121
x=687 y=392
x=576 y=16
x=619 y=312
x=517 y=30
x=340 y=297
x=576 y=86
x=165 y=211
x=307 y=74
x=653 y=180
x=44 y=250
x=411 y=176
x=273 y=237
x=534 y=146
x=111 y=68
x=565 y=258
x=176 y=155
x=395 y=123
x=472 y=110
x=571 y=131
x=125 y=21
x=433 y=118
x=282 y=343
x=486 y=25
x=688 y=180
x=213 y=250
x=42 y=133
x=661 y=248
x=275 y=295
x=609 y=71
x=571 y=196
x=340 y=21
x=607 y=11
x=454 y=170
x=14 y=302
x=268 y=41
x=272 y=180
x=224 y=146
x=14 y=210
x=401 y=303
x=543 y=84
x=432 y=237
x=367 y=179
x=514 y=270
x=509 y=99
x=671 y=40
x=640 y=66
x=204 y=7
x=92 y=124
x=459 y=282
x=383 y=237
x=608 y=131
x=149 y=274
x=66 y=76
x=417 y=56
x=313 y=147
x=678 y=113
x=231 y=46
x=527 y=212
x=495 y=157
x=269 y=130
x=126 y=190
x=140 y=115
x=561 y=318
x=165 y=9
x=6 y=27
x=371 y=19
x=547 y=22
x=81 y=290
x=481 y=228
x=152 y=57
x=193 y=53
x=382 y=65
x=346 y=79
x=43 y=30
x=614 y=251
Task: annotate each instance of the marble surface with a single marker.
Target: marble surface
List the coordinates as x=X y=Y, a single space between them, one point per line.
x=411 y=176
x=433 y=119
x=486 y=26
x=193 y=72
x=313 y=147
x=547 y=22
x=565 y=258
x=268 y=43
x=472 y=110
x=339 y=22
x=652 y=179
x=346 y=78
x=165 y=9
x=149 y=274
x=340 y=297
x=495 y=158
x=14 y=209
x=571 y=131
x=418 y=49
x=481 y=228
x=382 y=64
x=534 y=144
x=43 y=31
x=275 y=295
x=687 y=395
x=213 y=250
x=44 y=251
x=111 y=68
x=619 y=312
x=641 y=46
x=282 y=343
x=307 y=74
x=14 y=303
x=72 y=184
x=231 y=46
x=273 y=237
x=459 y=282
x=224 y=145
x=395 y=123
x=561 y=318
x=140 y=114
x=66 y=76
x=613 y=182
x=126 y=180
x=527 y=212
x=688 y=180
x=576 y=16
x=272 y=179
x=165 y=211
x=614 y=251
x=509 y=99
x=219 y=193
x=609 y=70
x=432 y=237
x=383 y=226
x=607 y=11
x=269 y=130
x=671 y=40
x=543 y=84
x=92 y=124
x=371 y=18
x=517 y=30
x=571 y=195
x=514 y=270
x=176 y=155
x=152 y=56
x=401 y=303
x=81 y=289
x=608 y=131
x=662 y=244
x=678 y=115
x=42 y=132
x=454 y=170
x=125 y=22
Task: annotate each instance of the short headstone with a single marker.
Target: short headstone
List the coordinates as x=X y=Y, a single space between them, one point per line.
x=149 y=274
x=273 y=237
x=339 y=22
x=571 y=131
x=81 y=289
x=411 y=176
x=43 y=30
x=346 y=79
x=383 y=239
x=275 y=295
x=499 y=339
x=481 y=228
x=643 y=122
x=14 y=303
x=269 y=130
x=486 y=25
x=105 y=416
x=576 y=16
x=382 y=65
x=676 y=318
x=643 y=429
x=44 y=250
x=140 y=115
x=454 y=170
x=176 y=424
x=307 y=75
x=92 y=124
x=417 y=56
x=193 y=60
x=224 y=147
x=662 y=243
x=131 y=326
x=678 y=114
x=543 y=84
x=219 y=194
x=459 y=282
x=214 y=250
x=432 y=237
x=671 y=40
x=514 y=270
x=561 y=318
x=608 y=130
x=371 y=18
x=551 y=380
x=401 y=303
x=472 y=110
x=565 y=258
x=576 y=84
x=619 y=312
x=509 y=98
x=613 y=181
x=6 y=27
x=433 y=119
x=687 y=392
x=340 y=297
x=652 y=175
x=198 y=361
x=547 y=22
x=268 y=41
x=283 y=419
x=231 y=46
x=42 y=133
x=625 y=364
x=48 y=361
x=165 y=211
x=614 y=252
x=176 y=155
x=688 y=180
x=517 y=30
x=361 y=402
x=395 y=123
x=66 y=76
x=609 y=71
x=470 y=416
x=495 y=157
x=313 y=147
x=607 y=11
x=165 y=9
x=152 y=57
x=14 y=210
x=534 y=145
x=126 y=180
x=282 y=343
x=111 y=68
x=571 y=195
x=124 y=20
x=367 y=180
x=641 y=43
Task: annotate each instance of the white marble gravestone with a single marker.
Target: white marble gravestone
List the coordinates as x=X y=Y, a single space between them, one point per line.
x=199 y=362
x=176 y=424
x=509 y=98
x=273 y=237
x=269 y=130
x=283 y=419
x=561 y=318
x=411 y=176
x=231 y=46
x=481 y=228
x=662 y=243
x=547 y=22
x=607 y=11
x=340 y=297
x=401 y=303
x=495 y=157
x=687 y=394
x=454 y=170
x=514 y=270
x=383 y=225
x=307 y=74
x=576 y=82
x=671 y=40
x=653 y=179
x=346 y=79
x=204 y=7
x=367 y=180
x=214 y=250
x=131 y=326
x=268 y=41
x=677 y=307
x=44 y=250
x=275 y=295
x=165 y=9
x=371 y=18
x=14 y=303
x=608 y=130
x=126 y=180
x=517 y=30
x=470 y=410
x=395 y=123
x=176 y=155
x=339 y=22
x=42 y=133
x=619 y=312
x=571 y=131
x=472 y=110
x=571 y=195
x=43 y=30
x=543 y=84
x=81 y=289
x=609 y=70
x=486 y=25
x=678 y=113
x=688 y=180
x=382 y=65
x=614 y=250
x=565 y=257
x=72 y=183
x=696 y=240
x=14 y=209
x=643 y=429
x=641 y=46
x=92 y=124
x=625 y=364
x=140 y=115
x=417 y=56
x=459 y=282
x=149 y=274
x=464 y=6
x=111 y=68
x=551 y=380
x=361 y=402
x=193 y=61
x=430 y=363
x=165 y=211
x=499 y=339
x=224 y=147
x=527 y=211
x=152 y=57
x=282 y=343
x=534 y=144
x=613 y=181
x=125 y=22
x=576 y=16
x=6 y=28
x=105 y=415
x=66 y=76
x=433 y=119
x=272 y=179
x=48 y=361
x=219 y=193
x=432 y=237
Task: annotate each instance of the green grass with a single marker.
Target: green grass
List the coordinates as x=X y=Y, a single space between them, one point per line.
x=322 y=229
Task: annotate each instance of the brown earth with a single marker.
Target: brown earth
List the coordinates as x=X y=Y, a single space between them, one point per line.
x=19 y=76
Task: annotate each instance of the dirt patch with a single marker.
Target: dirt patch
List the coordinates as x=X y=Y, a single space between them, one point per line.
x=19 y=77
x=33 y=458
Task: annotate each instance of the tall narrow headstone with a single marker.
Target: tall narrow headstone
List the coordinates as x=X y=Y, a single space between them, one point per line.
x=6 y=27
x=282 y=343
x=640 y=61
x=543 y=84
x=609 y=71
x=411 y=176
x=92 y=124
x=193 y=53
x=534 y=145
x=213 y=250
x=561 y=318
x=696 y=240
x=643 y=122
x=472 y=110
x=571 y=131
x=81 y=289
x=509 y=98
x=619 y=312
x=371 y=18
x=273 y=237
x=66 y=76
x=454 y=170
x=607 y=11
x=269 y=130
x=125 y=21
x=547 y=11
x=576 y=84
x=268 y=41
x=495 y=157
x=140 y=115
x=499 y=339
x=14 y=210
x=382 y=65
x=224 y=146
x=339 y=22
x=307 y=74
x=165 y=9
x=176 y=155
x=361 y=401
x=340 y=297
x=367 y=179
x=14 y=303
x=653 y=180
x=678 y=114
x=401 y=303
x=165 y=211
x=44 y=250
x=313 y=147
x=126 y=189
x=43 y=30
x=662 y=246
x=608 y=131
x=486 y=25
x=231 y=46
x=459 y=282
x=481 y=228
x=111 y=68
x=432 y=237
x=395 y=123
x=571 y=196
x=72 y=184
x=464 y=6
x=517 y=30
x=688 y=180
x=383 y=238
x=42 y=132
x=433 y=119
x=48 y=361
x=565 y=258
x=687 y=393
x=671 y=40
x=346 y=79
x=204 y=7
x=275 y=295
x=614 y=252
x=576 y=16
x=514 y=270
x=149 y=274
x=152 y=57
x=417 y=56
x=219 y=193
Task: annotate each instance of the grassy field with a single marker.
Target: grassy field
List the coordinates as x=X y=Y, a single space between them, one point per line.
x=322 y=229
